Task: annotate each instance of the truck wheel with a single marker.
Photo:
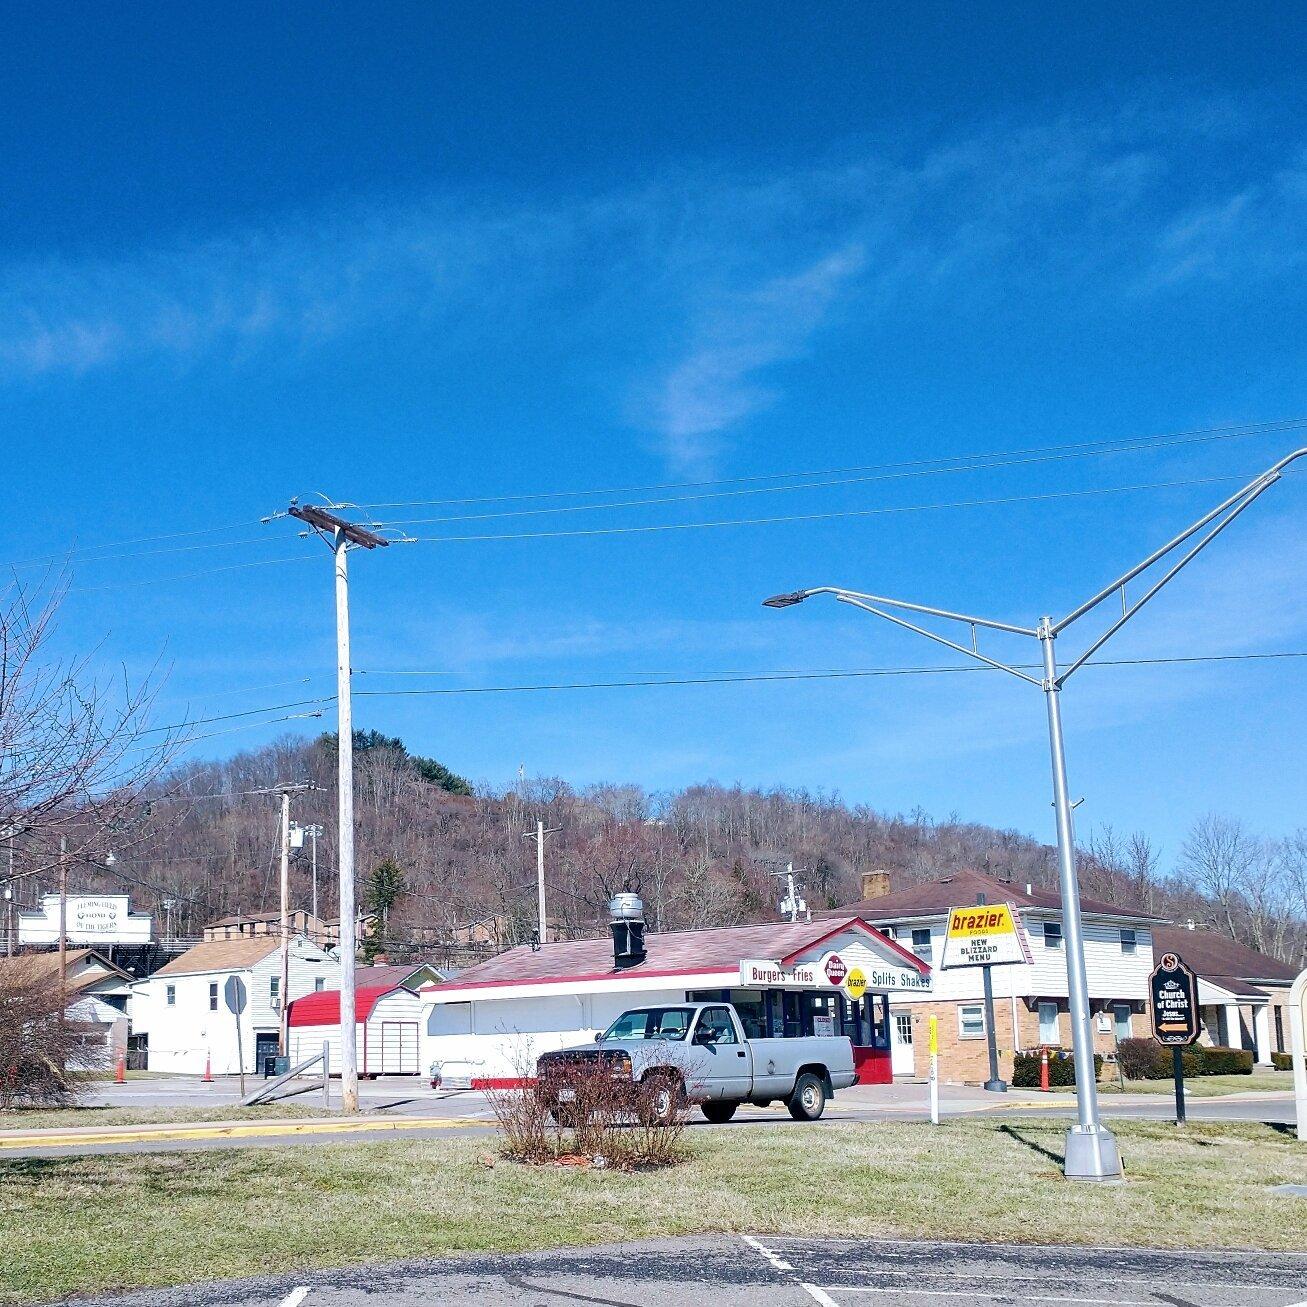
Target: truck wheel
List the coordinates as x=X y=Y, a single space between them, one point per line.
x=567 y=1117
x=808 y=1101
x=719 y=1112
x=660 y=1100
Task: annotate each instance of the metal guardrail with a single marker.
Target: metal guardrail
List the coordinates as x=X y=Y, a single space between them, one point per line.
x=281 y=1087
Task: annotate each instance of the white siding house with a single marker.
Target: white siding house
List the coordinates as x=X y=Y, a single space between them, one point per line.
x=1031 y=1008
x=182 y=1013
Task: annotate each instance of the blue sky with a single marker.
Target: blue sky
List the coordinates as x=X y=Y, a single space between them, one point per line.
x=438 y=253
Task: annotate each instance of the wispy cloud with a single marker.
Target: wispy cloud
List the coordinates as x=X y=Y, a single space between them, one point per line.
x=722 y=380
x=702 y=283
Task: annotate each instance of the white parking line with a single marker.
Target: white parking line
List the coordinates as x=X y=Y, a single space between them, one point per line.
x=820 y=1295
x=295 y=1297
x=971 y=1293
x=778 y=1263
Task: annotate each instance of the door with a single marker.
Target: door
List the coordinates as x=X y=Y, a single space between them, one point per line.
x=265 y=1046
x=399 y=1048
x=720 y=1056
x=902 y=1056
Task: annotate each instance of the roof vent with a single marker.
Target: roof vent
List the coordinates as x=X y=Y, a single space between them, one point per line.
x=1030 y=889
x=627 y=925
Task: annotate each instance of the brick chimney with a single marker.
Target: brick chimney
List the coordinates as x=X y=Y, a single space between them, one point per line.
x=875 y=884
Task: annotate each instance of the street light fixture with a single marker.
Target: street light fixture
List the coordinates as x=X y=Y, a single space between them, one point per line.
x=1091 y=1151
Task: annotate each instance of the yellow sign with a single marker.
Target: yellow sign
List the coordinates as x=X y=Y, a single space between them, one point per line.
x=984 y=935
x=933 y=1045
x=855 y=983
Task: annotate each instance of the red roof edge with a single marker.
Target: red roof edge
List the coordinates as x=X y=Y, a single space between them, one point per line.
x=923 y=968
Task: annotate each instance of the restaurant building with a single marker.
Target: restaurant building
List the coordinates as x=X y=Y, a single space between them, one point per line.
x=486 y=1028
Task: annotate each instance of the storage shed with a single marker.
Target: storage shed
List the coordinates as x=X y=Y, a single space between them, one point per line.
x=386 y=1029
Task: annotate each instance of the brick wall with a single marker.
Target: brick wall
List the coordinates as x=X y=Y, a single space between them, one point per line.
x=966 y=1060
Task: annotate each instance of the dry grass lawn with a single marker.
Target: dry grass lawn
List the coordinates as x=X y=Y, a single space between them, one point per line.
x=81 y=1225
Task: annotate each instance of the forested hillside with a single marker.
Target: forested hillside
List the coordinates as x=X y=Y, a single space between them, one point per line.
x=701 y=856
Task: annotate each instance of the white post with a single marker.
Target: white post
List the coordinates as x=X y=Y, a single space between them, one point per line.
x=1296 y=1013
x=1233 y=1026
x=284 y=983
x=1262 y=1033
x=349 y=1075
x=934 y=1070
x=540 y=882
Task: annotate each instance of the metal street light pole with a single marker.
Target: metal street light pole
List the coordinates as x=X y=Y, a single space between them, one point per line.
x=1091 y=1151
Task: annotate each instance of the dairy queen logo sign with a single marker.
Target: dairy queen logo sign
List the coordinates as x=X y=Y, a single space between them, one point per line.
x=835 y=969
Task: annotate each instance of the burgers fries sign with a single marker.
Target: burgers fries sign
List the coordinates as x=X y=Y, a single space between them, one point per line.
x=986 y=934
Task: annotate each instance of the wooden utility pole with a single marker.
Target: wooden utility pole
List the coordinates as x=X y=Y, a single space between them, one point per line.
x=542 y=928
x=63 y=924
x=341 y=536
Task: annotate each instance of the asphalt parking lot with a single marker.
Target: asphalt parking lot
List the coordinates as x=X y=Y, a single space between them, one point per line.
x=763 y=1271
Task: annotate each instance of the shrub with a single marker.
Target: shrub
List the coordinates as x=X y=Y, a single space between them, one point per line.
x=610 y=1122
x=1282 y=1061
x=1144 y=1059
x=43 y=1054
x=1061 y=1069
x=1224 y=1061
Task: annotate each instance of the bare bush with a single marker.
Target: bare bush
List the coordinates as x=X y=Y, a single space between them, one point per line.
x=44 y=1056
x=605 y=1120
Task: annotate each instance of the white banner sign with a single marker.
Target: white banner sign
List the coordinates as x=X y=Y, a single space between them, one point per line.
x=830 y=973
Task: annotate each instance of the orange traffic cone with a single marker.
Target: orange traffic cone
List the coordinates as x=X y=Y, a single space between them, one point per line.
x=207 y=1077
x=120 y=1070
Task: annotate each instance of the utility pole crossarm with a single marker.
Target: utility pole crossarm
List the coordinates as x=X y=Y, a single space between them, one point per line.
x=1233 y=506
x=321 y=520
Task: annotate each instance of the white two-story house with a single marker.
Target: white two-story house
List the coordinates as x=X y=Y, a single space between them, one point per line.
x=1030 y=999
x=182 y=1012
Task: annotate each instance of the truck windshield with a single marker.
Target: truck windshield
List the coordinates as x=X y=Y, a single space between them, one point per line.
x=651 y=1023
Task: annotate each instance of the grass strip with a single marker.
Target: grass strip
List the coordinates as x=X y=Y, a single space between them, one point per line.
x=91 y=1224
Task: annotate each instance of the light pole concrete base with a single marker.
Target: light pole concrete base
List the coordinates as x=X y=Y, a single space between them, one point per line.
x=1092 y=1155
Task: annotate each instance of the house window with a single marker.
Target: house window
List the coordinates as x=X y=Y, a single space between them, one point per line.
x=971 y=1021
x=921 y=944
x=1121 y=1020
x=319 y=984
x=1048 y=1031
x=213 y=996
x=891 y=932
x=170 y=995
x=1052 y=934
x=274 y=989
x=1129 y=942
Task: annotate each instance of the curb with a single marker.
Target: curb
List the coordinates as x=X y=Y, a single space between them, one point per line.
x=224 y=1130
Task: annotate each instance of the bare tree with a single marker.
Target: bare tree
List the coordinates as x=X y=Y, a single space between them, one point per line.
x=1220 y=855
x=1142 y=862
x=76 y=753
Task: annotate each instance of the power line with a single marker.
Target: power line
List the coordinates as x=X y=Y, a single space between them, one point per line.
x=818 y=517
x=1227 y=431
x=187 y=576
x=910 y=472
x=755 y=677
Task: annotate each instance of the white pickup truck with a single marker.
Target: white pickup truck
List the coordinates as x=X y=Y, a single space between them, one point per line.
x=699 y=1053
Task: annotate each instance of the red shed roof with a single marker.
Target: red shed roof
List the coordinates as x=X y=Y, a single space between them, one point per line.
x=323 y=1008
